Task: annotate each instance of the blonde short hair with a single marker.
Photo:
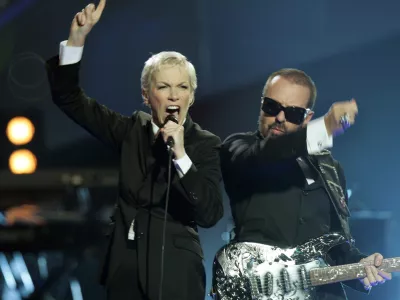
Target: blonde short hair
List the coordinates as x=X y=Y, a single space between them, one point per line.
x=173 y=58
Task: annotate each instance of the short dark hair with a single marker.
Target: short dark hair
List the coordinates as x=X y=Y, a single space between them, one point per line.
x=297 y=77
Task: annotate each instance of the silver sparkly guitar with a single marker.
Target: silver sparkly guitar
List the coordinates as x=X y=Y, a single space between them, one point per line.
x=249 y=271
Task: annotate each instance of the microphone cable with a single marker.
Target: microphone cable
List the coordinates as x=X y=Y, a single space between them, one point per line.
x=170 y=153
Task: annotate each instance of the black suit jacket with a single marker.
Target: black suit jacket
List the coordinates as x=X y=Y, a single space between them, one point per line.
x=195 y=199
x=243 y=154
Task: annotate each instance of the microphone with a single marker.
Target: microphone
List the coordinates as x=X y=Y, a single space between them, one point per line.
x=170 y=144
x=170 y=141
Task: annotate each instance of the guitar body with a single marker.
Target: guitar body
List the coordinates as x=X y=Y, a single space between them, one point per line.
x=249 y=271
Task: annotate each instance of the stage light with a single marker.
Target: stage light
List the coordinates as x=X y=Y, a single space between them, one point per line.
x=20 y=130
x=22 y=161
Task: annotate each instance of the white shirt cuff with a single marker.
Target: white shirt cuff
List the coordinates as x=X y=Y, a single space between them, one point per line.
x=69 y=54
x=317 y=136
x=182 y=165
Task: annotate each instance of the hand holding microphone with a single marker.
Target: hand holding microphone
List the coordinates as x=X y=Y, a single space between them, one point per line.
x=173 y=134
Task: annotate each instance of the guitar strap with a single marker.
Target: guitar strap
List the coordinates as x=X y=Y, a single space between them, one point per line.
x=325 y=166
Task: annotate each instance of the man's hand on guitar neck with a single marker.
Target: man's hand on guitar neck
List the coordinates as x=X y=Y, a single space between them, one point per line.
x=374 y=275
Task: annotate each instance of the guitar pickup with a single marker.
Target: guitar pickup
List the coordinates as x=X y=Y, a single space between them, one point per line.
x=286 y=281
x=303 y=277
x=268 y=284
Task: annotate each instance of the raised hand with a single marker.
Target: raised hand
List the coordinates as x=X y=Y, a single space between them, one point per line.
x=341 y=116
x=83 y=23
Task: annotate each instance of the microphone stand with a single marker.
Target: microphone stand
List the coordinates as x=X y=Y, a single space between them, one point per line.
x=170 y=144
x=170 y=153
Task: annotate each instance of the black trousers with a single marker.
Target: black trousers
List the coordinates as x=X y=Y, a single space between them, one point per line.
x=184 y=277
x=123 y=283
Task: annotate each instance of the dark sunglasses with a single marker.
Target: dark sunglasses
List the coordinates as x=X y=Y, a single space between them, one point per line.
x=293 y=114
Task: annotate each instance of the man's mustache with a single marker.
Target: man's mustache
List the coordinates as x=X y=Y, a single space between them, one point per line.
x=277 y=126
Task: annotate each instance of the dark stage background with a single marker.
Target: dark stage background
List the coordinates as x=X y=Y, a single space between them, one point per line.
x=351 y=49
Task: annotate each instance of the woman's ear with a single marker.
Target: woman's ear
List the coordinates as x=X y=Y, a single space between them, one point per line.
x=145 y=97
x=191 y=101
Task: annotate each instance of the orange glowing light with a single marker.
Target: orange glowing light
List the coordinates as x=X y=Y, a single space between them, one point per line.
x=20 y=130
x=22 y=161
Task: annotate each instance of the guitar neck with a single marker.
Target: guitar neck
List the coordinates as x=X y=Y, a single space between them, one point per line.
x=334 y=274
